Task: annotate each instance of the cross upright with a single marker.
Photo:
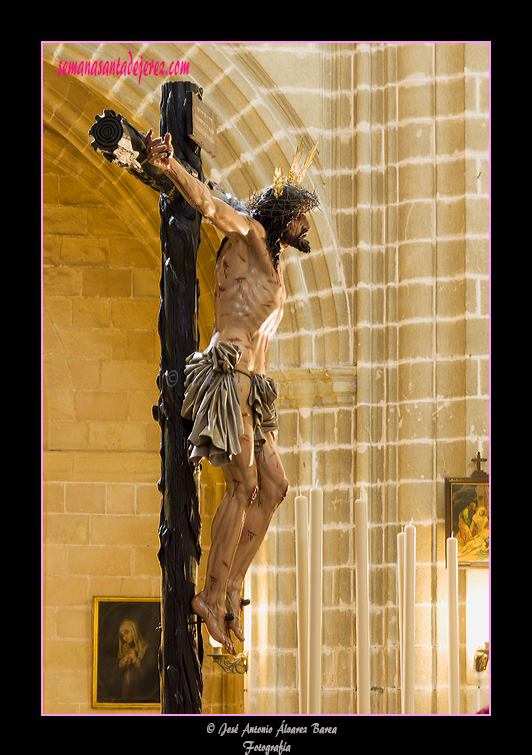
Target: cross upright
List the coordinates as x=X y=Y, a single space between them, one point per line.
x=479 y=472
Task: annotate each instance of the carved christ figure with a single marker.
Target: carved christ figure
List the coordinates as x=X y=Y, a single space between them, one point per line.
x=228 y=396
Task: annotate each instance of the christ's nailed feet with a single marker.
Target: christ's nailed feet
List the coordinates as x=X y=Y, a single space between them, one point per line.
x=216 y=625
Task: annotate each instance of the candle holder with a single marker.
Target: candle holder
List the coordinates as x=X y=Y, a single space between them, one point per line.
x=481 y=657
x=229 y=663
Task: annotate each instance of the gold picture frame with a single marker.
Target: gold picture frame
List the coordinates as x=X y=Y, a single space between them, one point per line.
x=467 y=516
x=125 y=648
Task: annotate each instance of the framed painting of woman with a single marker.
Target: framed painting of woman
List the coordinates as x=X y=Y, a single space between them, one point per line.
x=125 y=642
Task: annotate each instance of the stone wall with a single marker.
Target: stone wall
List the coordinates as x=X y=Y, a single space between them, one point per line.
x=381 y=357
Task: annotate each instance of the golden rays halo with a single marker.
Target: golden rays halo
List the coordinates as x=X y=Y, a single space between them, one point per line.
x=296 y=173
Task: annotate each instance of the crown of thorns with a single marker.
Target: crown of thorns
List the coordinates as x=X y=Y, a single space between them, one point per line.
x=295 y=201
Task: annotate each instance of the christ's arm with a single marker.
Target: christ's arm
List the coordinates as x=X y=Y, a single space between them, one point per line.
x=160 y=153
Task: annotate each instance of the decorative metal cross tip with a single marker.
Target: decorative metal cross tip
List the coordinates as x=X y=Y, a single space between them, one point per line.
x=117 y=140
x=124 y=145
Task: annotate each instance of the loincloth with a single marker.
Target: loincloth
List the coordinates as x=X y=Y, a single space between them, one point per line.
x=212 y=403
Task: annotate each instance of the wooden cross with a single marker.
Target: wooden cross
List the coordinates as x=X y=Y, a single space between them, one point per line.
x=181 y=652
x=478 y=472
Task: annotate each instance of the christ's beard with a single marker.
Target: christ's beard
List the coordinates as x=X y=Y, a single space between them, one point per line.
x=297 y=242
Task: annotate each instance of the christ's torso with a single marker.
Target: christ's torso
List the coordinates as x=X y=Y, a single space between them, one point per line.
x=249 y=296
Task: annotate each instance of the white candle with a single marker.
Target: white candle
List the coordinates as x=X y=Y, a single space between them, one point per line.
x=452 y=620
x=362 y=605
x=247 y=643
x=409 y=617
x=315 y=599
x=302 y=566
x=401 y=601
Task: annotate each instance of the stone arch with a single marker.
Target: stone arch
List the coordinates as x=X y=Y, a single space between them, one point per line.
x=258 y=130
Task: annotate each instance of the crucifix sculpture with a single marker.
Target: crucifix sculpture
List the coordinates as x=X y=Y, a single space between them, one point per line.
x=479 y=472
x=228 y=396
x=217 y=405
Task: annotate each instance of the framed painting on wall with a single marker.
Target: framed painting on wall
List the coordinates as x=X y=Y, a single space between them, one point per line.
x=125 y=647
x=467 y=515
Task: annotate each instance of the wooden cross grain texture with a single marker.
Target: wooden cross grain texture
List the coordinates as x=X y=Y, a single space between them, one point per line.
x=179 y=530
x=181 y=651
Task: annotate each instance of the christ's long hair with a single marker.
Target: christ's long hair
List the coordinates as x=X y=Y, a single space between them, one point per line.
x=275 y=213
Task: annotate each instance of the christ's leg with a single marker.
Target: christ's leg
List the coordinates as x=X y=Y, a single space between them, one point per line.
x=272 y=489
x=241 y=480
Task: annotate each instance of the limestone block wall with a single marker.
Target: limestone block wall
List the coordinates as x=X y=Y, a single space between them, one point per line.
x=100 y=455
x=422 y=328
x=405 y=279
x=381 y=357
